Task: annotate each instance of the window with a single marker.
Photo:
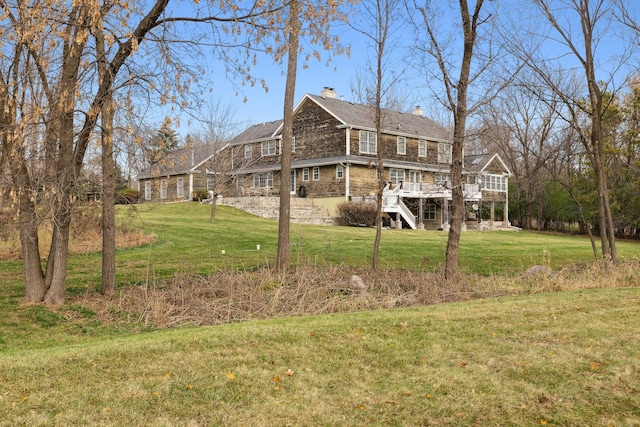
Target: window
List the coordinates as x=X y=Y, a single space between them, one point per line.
x=305 y=174
x=422 y=148
x=147 y=190
x=316 y=173
x=494 y=183
x=415 y=179
x=396 y=176
x=180 y=187
x=163 y=188
x=444 y=152
x=248 y=151
x=269 y=148
x=293 y=145
x=263 y=180
x=339 y=171
x=368 y=142
x=443 y=179
x=429 y=212
x=402 y=145
x=240 y=181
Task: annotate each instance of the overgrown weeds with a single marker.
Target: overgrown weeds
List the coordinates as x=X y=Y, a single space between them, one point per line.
x=232 y=296
x=86 y=232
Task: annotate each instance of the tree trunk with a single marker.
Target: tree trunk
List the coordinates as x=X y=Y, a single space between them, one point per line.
x=108 y=286
x=108 y=202
x=282 y=260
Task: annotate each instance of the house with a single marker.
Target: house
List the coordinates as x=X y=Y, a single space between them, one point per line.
x=334 y=157
x=182 y=174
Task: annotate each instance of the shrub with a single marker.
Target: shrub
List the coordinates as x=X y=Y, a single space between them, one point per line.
x=127 y=196
x=358 y=213
x=200 y=195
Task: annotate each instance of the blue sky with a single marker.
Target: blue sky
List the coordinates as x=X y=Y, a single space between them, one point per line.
x=340 y=74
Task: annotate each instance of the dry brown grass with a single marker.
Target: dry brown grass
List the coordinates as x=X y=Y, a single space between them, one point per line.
x=227 y=297
x=86 y=234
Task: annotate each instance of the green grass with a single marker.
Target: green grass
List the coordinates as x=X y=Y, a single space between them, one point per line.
x=188 y=242
x=567 y=358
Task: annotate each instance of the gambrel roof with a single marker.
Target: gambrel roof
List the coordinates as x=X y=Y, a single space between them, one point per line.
x=360 y=116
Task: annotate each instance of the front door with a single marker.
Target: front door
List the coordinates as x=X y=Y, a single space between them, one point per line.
x=292 y=187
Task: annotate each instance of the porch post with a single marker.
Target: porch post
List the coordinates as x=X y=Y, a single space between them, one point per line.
x=493 y=211
x=420 y=214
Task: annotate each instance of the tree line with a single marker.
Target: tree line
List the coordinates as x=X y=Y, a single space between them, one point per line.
x=549 y=84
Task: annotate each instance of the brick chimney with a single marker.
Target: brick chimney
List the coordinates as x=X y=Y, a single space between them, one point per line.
x=328 y=92
x=417 y=111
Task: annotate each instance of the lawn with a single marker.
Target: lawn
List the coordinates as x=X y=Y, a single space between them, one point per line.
x=565 y=359
x=554 y=358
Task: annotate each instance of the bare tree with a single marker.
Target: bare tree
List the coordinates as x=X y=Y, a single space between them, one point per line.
x=376 y=83
x=581 y=42
x=520 y=125
x=315 y=18
x=47 y=81
x=459 y=72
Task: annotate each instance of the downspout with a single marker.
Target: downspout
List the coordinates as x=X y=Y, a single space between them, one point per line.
x=506 y=204
x=190 y=186
x=347 y=172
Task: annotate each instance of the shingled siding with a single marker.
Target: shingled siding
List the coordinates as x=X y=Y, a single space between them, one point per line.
x=316 y=132
x=494 y=167
x=390 y=149
x=328 y=185
x=362 y=181
x=171 y=186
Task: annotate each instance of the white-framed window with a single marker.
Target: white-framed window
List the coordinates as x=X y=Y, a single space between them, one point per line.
x=396 y=176
x=415 y=180
x=147 y=190
x=316 y=173
x=444 y=152
x=263 y=180
x=494 y=182
x=429 y=212
x=368 y=142
x=402 y=145
x=443 y=179
x=240 y=181
x=163 y=188
x=293 y=144
x=180 y=187
x=248 y=151
x=305 y=174
x=339 y=171
x=268 y=148
x=422 y=148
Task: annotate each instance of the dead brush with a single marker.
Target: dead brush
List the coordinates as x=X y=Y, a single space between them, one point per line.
x=231 y=296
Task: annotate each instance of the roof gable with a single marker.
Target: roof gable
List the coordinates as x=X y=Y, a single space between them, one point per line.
x=393 y=122
x=480 y=162
x=258 y=132
x=180 y=161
